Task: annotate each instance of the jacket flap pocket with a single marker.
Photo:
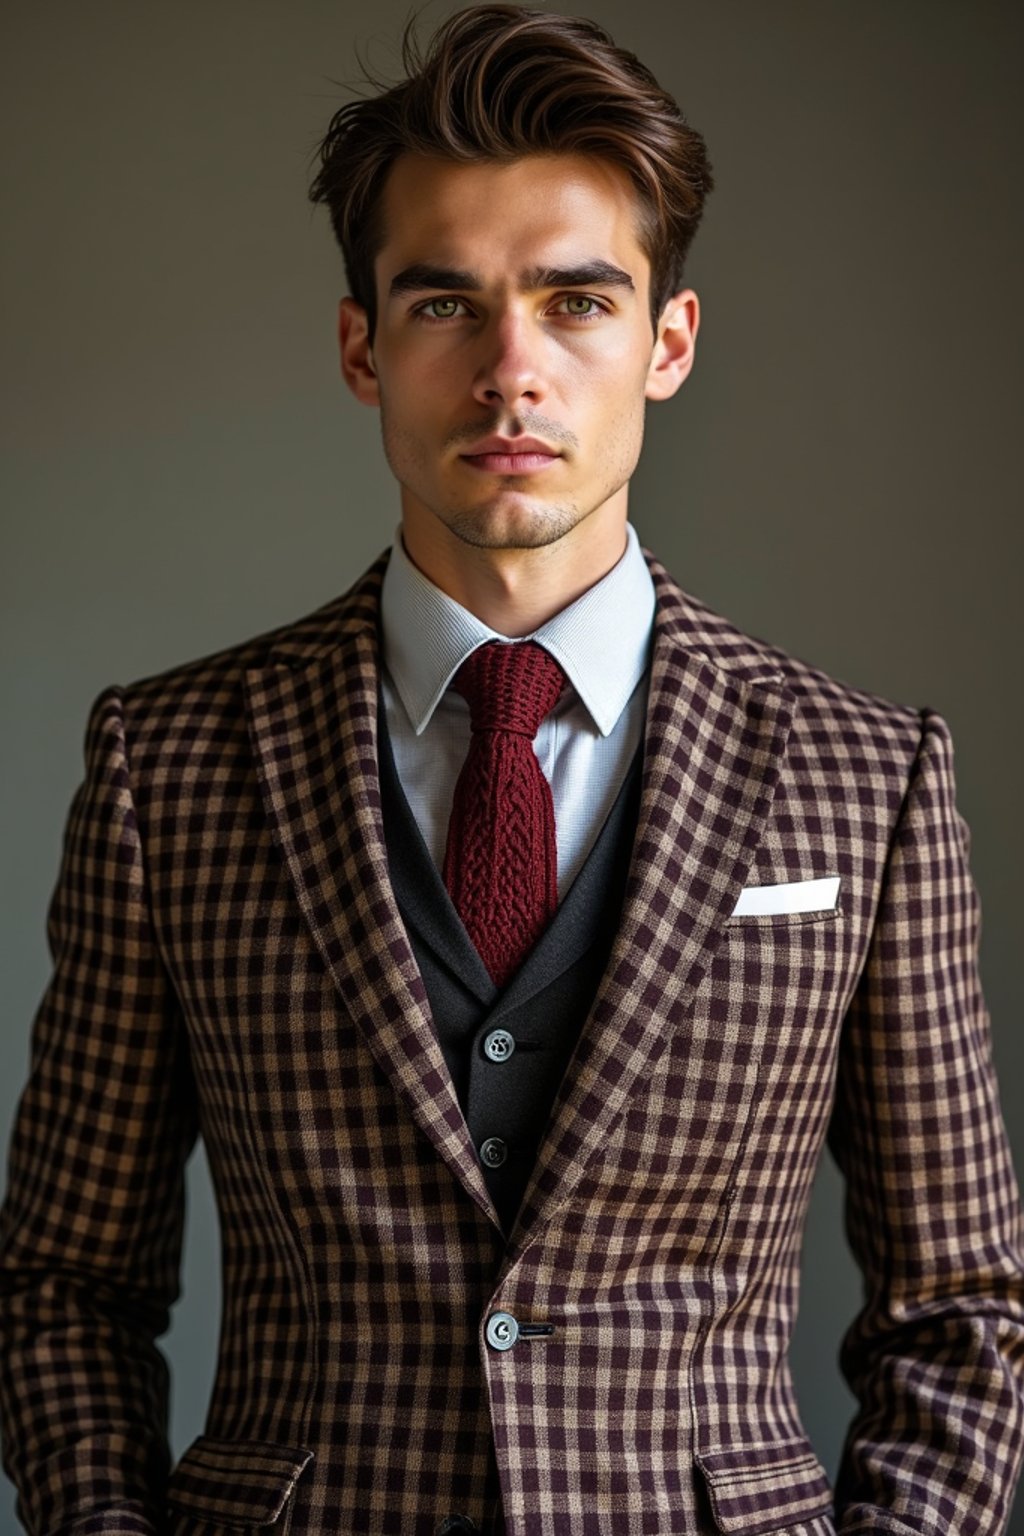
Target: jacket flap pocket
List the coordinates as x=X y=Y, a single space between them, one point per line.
x=236 y=1482
x=756 y=1488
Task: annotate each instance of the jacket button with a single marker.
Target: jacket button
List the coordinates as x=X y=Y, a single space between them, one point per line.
x=499 y=1045
x=493 y=1152
x=457 y=1525
x=502 y=1330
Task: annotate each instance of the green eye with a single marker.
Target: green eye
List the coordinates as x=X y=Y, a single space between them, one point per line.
x=579 y=304
x=443 y=309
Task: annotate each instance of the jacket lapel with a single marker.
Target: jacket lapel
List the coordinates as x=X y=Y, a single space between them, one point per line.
x=312 y=716
x=715 y=740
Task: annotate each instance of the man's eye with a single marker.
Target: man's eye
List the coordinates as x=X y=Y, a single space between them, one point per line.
x=441 y=309
x=581 y=305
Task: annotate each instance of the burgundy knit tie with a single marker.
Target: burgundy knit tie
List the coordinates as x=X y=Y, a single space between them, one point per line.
x=500 y=863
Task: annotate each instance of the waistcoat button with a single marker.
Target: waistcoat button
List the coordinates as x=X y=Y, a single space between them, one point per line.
x=502 y=1330
x=499 y=1045
x=493 y=1152
x=457 y=1525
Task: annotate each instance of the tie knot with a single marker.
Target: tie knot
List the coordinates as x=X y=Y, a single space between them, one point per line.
x=509 y=686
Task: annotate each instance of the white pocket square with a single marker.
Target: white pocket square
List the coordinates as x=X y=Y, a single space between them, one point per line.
x=794 y=896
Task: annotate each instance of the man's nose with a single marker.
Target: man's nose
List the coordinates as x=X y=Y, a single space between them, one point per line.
x=512 y=368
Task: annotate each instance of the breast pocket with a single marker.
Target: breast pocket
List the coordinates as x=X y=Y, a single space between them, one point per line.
x=233 y=1485
x=813 y=900
x=784 y=920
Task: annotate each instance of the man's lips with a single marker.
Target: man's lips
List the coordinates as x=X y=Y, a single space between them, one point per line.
x=511 y=455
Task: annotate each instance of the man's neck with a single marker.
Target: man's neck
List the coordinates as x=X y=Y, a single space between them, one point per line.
x=515 y=591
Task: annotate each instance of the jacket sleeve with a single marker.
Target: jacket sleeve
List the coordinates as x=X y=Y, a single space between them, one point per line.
x=936 y=1355
x=91 y=1224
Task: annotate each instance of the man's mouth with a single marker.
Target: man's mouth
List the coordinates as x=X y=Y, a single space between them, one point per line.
x=510 y=455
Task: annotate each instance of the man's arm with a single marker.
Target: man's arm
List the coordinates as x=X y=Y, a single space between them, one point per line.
x=936 y=1356
x=91 y=1226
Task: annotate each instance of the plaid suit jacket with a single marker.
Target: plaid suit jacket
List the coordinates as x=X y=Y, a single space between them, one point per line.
x=229 y=959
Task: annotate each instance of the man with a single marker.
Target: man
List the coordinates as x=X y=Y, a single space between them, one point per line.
x=515 y=930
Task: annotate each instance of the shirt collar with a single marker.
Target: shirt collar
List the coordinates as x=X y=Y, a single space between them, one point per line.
x=601 y=640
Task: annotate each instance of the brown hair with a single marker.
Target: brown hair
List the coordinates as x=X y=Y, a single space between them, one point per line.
x=499 y=82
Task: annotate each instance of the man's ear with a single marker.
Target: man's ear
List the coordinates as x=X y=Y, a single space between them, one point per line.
x=357 y=367
x=674 y=345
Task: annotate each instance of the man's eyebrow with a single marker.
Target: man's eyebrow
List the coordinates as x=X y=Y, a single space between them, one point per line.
x=419 y=276
x=588 y=274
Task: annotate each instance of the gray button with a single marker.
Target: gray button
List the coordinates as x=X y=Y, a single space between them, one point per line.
x=499 y=1045
x=502 y=1330
x=458 y=1525
x=493 y=1152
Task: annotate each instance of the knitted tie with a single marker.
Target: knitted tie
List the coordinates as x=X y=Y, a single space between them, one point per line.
x=500 y=863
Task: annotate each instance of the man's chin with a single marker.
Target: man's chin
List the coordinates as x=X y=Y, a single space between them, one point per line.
x=524 y=526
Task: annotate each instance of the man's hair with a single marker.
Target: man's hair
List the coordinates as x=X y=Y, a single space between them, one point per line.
x=498 y=82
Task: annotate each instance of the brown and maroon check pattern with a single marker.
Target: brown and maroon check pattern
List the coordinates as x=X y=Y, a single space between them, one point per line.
x=229 y=960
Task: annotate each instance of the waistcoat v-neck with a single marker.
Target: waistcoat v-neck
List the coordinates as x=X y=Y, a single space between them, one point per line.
x=507 y=1051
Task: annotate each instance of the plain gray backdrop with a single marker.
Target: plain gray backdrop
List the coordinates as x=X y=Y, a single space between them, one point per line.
x=839 y=475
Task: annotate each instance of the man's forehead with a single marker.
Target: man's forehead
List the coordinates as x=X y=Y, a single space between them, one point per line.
x=540 y=212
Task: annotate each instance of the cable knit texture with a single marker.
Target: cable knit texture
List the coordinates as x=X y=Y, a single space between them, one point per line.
x=501 y=863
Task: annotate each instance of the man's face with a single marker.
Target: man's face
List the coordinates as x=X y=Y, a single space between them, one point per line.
x=513 y=303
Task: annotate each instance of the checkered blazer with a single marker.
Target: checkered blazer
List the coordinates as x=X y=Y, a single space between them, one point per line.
x=229 y=960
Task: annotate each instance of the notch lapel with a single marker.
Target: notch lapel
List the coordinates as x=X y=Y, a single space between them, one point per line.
x=312 y=717
x=714 y=744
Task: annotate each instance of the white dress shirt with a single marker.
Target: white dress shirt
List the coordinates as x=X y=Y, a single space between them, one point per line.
x=585 y=745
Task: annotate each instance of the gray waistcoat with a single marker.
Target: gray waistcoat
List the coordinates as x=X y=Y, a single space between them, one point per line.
x=507 y=1051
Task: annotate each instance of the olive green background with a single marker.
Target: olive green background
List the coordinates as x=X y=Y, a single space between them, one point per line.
x=183 y=469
